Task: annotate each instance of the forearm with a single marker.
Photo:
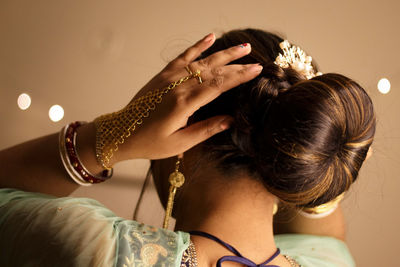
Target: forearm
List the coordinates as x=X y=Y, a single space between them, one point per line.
x=36 y=165
x=288 y=220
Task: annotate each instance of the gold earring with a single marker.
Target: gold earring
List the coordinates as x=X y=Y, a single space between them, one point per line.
x=176 y=180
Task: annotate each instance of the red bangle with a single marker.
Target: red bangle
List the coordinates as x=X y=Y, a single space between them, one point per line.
x=73 y=158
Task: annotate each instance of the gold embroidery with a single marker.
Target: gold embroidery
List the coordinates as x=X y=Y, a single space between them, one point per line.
x=130 y=261
x=292 y=262
x=189 y=257
x=149 y=246
x=150 y=252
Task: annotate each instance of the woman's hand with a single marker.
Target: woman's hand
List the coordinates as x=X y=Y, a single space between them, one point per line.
x=164 y=132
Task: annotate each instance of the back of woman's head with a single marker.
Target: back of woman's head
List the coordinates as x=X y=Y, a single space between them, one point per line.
x=304 y=139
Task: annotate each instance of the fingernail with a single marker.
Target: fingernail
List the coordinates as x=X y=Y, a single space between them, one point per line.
x=244 y=45
x=256 y=67
x=226 y=123
x=209 y=37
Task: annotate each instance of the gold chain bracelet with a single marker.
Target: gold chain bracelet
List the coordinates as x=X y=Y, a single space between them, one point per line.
x=112 y=129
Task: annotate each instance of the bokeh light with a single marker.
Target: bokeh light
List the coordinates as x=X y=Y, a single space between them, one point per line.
x=384 y=86
x=56 y=113
x=24 y=101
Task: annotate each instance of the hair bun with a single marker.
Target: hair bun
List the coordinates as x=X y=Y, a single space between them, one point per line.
x=255 y=106
x=304 y=139
x=274 y=79
x=315 y=138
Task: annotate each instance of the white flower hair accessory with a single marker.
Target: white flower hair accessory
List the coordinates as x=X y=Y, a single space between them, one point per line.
x=293 y=56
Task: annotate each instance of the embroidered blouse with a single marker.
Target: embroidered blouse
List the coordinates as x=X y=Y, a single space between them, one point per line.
x=42 y=230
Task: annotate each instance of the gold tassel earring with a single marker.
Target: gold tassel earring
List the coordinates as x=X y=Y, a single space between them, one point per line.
x=176 y=180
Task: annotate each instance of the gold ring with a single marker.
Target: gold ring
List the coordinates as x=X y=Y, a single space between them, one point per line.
x=196 y=74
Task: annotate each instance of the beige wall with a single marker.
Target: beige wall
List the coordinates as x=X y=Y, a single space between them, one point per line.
x=92 y=56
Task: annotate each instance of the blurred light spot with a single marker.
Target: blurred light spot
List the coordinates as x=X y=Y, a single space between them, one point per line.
x=24 y=101
x=56 y=113
x=384 y=86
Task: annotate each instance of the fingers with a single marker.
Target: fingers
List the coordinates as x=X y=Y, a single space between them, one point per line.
x=222 y=57
x=229 y=77
x=201 y=131
x=194 y=51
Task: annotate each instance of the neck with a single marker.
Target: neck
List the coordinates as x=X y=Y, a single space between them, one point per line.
x=238 y=212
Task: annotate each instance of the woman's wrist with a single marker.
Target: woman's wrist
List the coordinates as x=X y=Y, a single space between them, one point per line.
x=85 y=146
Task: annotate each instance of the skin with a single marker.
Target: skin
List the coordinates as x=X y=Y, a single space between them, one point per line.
x=163 y=134
x=208 y=201
x=225 y=206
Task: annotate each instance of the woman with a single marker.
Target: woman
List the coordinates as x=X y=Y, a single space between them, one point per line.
x=294 y=136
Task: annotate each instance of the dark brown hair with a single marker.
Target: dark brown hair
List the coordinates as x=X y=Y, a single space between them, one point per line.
x=305 y=139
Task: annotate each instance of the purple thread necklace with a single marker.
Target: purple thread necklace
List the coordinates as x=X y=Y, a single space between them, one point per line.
x=238 y=258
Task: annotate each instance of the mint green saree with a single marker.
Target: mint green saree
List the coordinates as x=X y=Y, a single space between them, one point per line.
x=42 y=230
